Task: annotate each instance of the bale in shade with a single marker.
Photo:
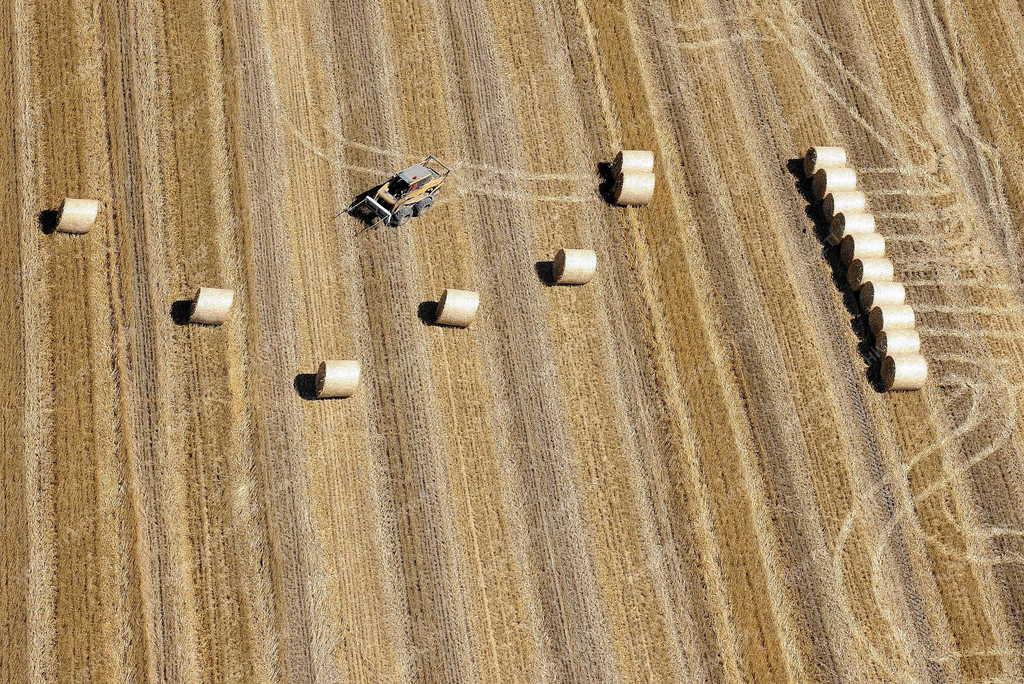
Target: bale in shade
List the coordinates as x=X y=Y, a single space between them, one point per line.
x=337 y=379
x=861 y=246
x=834 y=179
x=846 y=201
x=633 y=161
x=904 y=372
x=881 y=292
x=890 y=317
x=211 y=305
x=634 y=189
x=77 y=215
x=575 y=266
x=898 y=342
x=869 y=270
x=821 y=156
x=457 y=308
x=844 y=224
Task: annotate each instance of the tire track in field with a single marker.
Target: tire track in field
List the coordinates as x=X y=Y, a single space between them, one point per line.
x=992 y=199
x=391 y=612
x=19 y=537
x=245 y=510
x=990 y=490
x=307 y=641
x=764 y=657
x=975 y=455
x=940 y=44
x=118 y=614
x=640 y=632
x=403 y=412
x=599 y=362
x=503 y=604
x=531 y=414
x=474 y=182
x=156 y=488
x=71 y=148
x=866 y=502
x=226 y=527
x=37 y=421
x=351 y=491
x=656 y=421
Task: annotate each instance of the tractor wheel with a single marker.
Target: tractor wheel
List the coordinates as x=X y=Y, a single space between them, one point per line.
x=400 y=215
x=422 y=206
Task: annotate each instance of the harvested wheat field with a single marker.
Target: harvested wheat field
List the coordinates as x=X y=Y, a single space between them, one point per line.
x=683 y=470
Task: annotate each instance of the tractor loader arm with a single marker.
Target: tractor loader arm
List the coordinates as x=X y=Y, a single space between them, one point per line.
x=382 y=212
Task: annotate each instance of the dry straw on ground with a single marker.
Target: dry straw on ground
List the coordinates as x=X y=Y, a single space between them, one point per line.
x=683 y=471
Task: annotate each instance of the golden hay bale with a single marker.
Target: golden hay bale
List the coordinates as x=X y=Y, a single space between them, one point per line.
x=211 y=305
x=337 y=379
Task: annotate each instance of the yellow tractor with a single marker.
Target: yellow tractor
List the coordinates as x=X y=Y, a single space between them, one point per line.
x=411 y=192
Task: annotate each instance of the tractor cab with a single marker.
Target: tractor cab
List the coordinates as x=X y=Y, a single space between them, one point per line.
x=411 y=179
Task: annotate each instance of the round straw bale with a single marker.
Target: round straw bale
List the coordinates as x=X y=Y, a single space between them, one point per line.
x=77 y=215
x=891 y=317
x=337 y=379
x=881 y=292
x=898 y=342
x=575 y=266
x=861 y=246
x=634 y=188
x=850 y=224
x=821 y=156
x=457 y=308
x=844 y=224
x=848 y=201
x=633 y=161
x=834 y=179
x=211 y=305
x=869 y=270
x=904 y=372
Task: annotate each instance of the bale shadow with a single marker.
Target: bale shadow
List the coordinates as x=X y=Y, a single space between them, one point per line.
x=545 y=272
x=181 y=311
x=48 y=220
x=830 y=253
x=427 y=312
x=305 y=386
x=607 y=185
x=803 y=185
